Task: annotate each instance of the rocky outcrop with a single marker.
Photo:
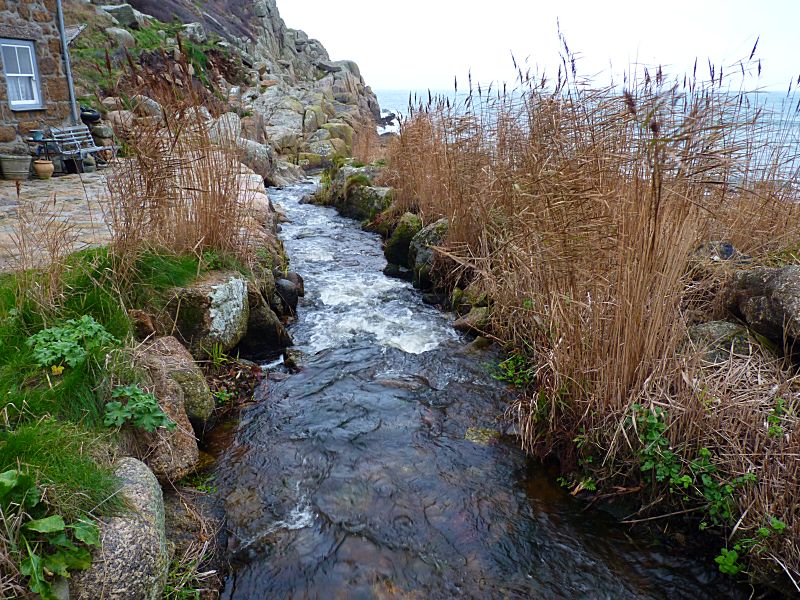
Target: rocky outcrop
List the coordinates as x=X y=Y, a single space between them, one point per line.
x=421 y=254
x=132 y=560
x=768 y=300
x=212 y=312
x=303 y=105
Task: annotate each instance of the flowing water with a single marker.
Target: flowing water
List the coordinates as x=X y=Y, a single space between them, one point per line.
x=378 y=471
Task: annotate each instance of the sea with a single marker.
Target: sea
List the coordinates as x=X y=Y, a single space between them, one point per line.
x=779 y=115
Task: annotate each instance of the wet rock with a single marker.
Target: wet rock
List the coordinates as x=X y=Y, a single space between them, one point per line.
x=294 y=360
x=420 y=252
x=171 y=455
x=211 y=311
x=434 y=299
x=364 y=202
x=180 y=366
x=475 y=321
x=397 y=246
x=132 y=560
x=266 y=335
x=479 y=344
x=720 y=339
x=297 y=280
x=768 y=300
x=398 y=272
x=288 y=292
x=284 y=173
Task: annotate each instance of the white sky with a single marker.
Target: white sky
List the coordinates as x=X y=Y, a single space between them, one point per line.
x=418 y=44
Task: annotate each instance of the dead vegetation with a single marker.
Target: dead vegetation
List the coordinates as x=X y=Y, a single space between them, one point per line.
x=579 y=211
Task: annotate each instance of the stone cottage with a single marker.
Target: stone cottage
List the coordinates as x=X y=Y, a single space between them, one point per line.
x=34 y=92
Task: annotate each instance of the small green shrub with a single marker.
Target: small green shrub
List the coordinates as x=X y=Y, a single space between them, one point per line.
x=141 y=409
x=515 y=370
x=71 y=343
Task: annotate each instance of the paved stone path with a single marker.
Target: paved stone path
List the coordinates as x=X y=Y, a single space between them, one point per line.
x=74 y=200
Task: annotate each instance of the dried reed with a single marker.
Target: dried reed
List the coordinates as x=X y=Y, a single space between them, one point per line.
x=180 y=189
x=578 y=210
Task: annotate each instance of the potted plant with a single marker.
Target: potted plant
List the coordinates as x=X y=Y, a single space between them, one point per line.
x=16 y=166
x=43 y=168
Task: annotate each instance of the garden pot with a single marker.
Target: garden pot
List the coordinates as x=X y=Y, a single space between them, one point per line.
x=43 y=168
x=15 y=167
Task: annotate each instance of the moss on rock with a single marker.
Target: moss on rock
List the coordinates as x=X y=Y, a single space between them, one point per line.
x=396 y=250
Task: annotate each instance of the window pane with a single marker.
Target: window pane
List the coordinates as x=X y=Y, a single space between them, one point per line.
x=20 y=89
x=24 y=58
x=10 y=63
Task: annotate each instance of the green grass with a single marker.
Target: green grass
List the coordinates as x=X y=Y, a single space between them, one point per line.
x=70 y=463
x=54 y=387
x=78 y=393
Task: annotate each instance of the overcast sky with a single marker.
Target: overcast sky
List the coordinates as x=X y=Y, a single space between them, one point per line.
x=418 y=44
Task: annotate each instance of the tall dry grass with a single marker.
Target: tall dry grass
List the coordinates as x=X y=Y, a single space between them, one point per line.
x=578 y=210
x=179 y=188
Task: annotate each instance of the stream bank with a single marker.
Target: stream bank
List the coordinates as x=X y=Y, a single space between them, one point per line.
x=382 y=469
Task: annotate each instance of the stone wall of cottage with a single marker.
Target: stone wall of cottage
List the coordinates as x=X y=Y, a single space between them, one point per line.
x=33 y=20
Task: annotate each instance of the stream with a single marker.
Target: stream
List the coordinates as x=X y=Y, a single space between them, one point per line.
x=379 y=470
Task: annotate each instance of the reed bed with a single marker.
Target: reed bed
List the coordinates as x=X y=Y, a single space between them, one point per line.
x=579 y=212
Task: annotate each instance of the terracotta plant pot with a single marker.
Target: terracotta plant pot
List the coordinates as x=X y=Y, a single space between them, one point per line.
x=15 y=167
x=43 y=168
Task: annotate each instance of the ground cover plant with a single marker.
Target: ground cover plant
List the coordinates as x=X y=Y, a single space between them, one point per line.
x=68 y=382
x=580 y=211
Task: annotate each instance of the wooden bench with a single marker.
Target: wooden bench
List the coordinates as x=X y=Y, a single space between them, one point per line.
x=76 y=142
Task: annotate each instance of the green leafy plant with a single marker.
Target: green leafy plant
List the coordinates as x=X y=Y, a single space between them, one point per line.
x=223 y=397
x=728 y=561
x=774 y=419
x=70 y=343
x=46 y=545
x=141 y=409
x=515 y=370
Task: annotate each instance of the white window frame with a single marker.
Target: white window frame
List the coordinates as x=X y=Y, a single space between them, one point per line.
x=37 y=102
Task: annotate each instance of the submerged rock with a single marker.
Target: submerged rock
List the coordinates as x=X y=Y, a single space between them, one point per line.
x=132 y=560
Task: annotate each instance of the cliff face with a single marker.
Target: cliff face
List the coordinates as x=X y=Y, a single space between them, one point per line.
x=301 y=103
